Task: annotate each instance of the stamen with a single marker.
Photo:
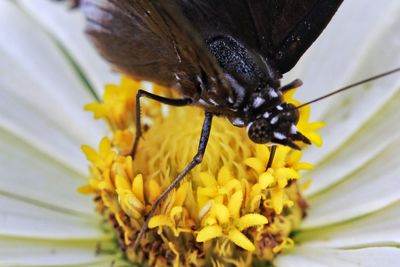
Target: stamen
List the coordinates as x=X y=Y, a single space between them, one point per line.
x=229 y=209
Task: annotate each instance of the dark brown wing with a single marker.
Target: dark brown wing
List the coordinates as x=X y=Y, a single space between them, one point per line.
x=164 y=41
x=281 y=30
x=287 y=28
x=151 y=40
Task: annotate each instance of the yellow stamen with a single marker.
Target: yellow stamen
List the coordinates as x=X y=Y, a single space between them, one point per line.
x=229 y=210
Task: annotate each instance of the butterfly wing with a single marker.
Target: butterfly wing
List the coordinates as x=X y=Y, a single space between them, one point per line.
x=281 y=30
x=165 y=41
x=151 y=40
x=287 y=28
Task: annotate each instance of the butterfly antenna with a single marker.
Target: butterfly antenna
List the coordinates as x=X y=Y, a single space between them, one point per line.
x=350 y=86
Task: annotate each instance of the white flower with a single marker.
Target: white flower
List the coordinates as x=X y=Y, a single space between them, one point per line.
x=48 y=71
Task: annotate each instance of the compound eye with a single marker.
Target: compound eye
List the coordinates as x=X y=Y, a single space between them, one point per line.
x=260 y=131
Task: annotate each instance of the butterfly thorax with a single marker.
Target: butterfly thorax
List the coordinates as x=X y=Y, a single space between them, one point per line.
x=256 y=101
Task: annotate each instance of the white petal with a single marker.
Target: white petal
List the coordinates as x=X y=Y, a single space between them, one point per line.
x=26 y=218
x=28 y=173
x=41 y=98
x=371 y=188
x=22 y=252
x=338 y=52
x=361 y=41
x=380 y=130
x=319 y=257
x=377 y=229
x=68 y=27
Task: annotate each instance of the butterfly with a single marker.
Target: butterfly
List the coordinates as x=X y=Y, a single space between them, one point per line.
x=225 y=56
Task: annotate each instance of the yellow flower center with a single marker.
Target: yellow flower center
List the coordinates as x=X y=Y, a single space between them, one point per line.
x=229 y=210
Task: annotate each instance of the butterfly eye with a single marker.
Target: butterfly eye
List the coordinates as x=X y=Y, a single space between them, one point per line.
x=260 y=131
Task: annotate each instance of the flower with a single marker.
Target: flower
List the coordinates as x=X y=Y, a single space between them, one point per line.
x=354 y=194
x=226 y=200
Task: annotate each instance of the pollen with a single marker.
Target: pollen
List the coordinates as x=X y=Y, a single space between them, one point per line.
x=229 y=210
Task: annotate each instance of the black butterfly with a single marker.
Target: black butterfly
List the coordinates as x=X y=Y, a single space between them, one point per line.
x=226 y=56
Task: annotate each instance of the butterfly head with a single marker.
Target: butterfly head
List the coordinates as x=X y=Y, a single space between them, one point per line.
x=277 y=126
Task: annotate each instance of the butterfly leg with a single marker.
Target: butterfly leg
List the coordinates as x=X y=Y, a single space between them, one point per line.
x=163 y=100
x=292 y=85
x=197 y=159
x=271 y=157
